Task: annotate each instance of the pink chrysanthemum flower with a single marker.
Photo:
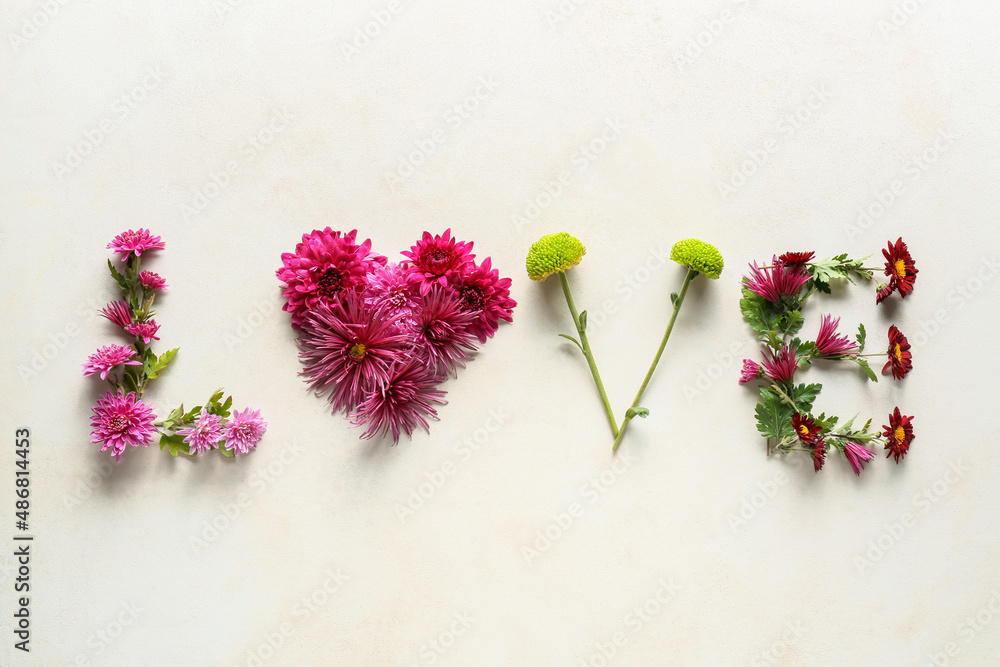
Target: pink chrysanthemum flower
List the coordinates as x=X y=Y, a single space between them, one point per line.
x=138 y=242
x=388 y=289
x=751 y=371
x=401 y=404
x=437 y=260
x=857 y=456
x=781 y=366
x=323 y=267
x=119 y=313
x=108 y=358
x=151 y=280
x=348 y=349
x=484 y=293
x=121 y=420
x=205 y=434
x=829 y=343
x=443 y=336
x=146 y=330
x=776 y=281
x=243 y=431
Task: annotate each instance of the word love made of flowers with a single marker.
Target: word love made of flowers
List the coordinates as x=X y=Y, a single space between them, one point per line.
x=121 y=419
x=773 y=299
x=379 y=337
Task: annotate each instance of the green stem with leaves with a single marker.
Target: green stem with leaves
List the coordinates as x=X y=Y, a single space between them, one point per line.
x=635 y=410
x=580 y=322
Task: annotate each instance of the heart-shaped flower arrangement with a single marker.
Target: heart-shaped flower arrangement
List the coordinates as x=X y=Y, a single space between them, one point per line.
x=378 y=337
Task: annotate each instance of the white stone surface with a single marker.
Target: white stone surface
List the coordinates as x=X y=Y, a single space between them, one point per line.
x=173 y=94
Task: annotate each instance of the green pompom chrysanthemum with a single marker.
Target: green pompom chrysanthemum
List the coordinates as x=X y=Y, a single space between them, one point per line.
x=700 y=256
x=553 y=253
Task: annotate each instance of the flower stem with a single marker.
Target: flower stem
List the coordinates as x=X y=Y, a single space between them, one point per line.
x=581 y=329
x=678 y=302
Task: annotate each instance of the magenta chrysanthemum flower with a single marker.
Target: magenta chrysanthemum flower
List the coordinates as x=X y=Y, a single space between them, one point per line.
x=324 y=265
x=437 y=260
x=751 y=371
x=857 y=456
x=782 y=366
x=243 y=431
x=443 y=335
x=484 y=293
x=146 y=330
x=121 y=420
x=829 y=343
x=138 y=242
x=388 y=289
x=205 y=434
x=151 y=280
x=118 y=312
x=776 y=281
x=348 y=349
x=401 y=404
x=108 y=358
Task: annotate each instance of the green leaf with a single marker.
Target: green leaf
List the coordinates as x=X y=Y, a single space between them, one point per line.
x=228 y=453
x=774 y=417
x=673 y=298
x=119 y=278
x=760 y=313
x=861 y=361
x=215 y=407
x=568 y=337
x=804 y=395
x=175 y=444
x=157 y=366
x=583 y=321
x=636 y=412
x=861 y=338
x=793 y=321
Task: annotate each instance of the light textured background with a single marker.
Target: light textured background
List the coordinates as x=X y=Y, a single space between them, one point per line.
x=770 y=563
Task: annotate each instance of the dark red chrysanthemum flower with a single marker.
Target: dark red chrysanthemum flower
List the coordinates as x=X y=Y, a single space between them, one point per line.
x=437 y=260
x=348 y=349
x=798 y=258
x=898 y=434
x=402 y=404
x=776 y=281
x=829 y=343
x=781 y=366
x=900 y=358
x=482 y=292
x=805 y=428
x=443 y=338
x=884 y=291
x=324 y=265
x=818 y=454
x=899 y=266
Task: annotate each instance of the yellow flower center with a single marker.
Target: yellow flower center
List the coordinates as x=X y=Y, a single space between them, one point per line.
x=899 y=434
x=900 y=268
x=803 y=429
x=358 y=351
x=896 y=351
